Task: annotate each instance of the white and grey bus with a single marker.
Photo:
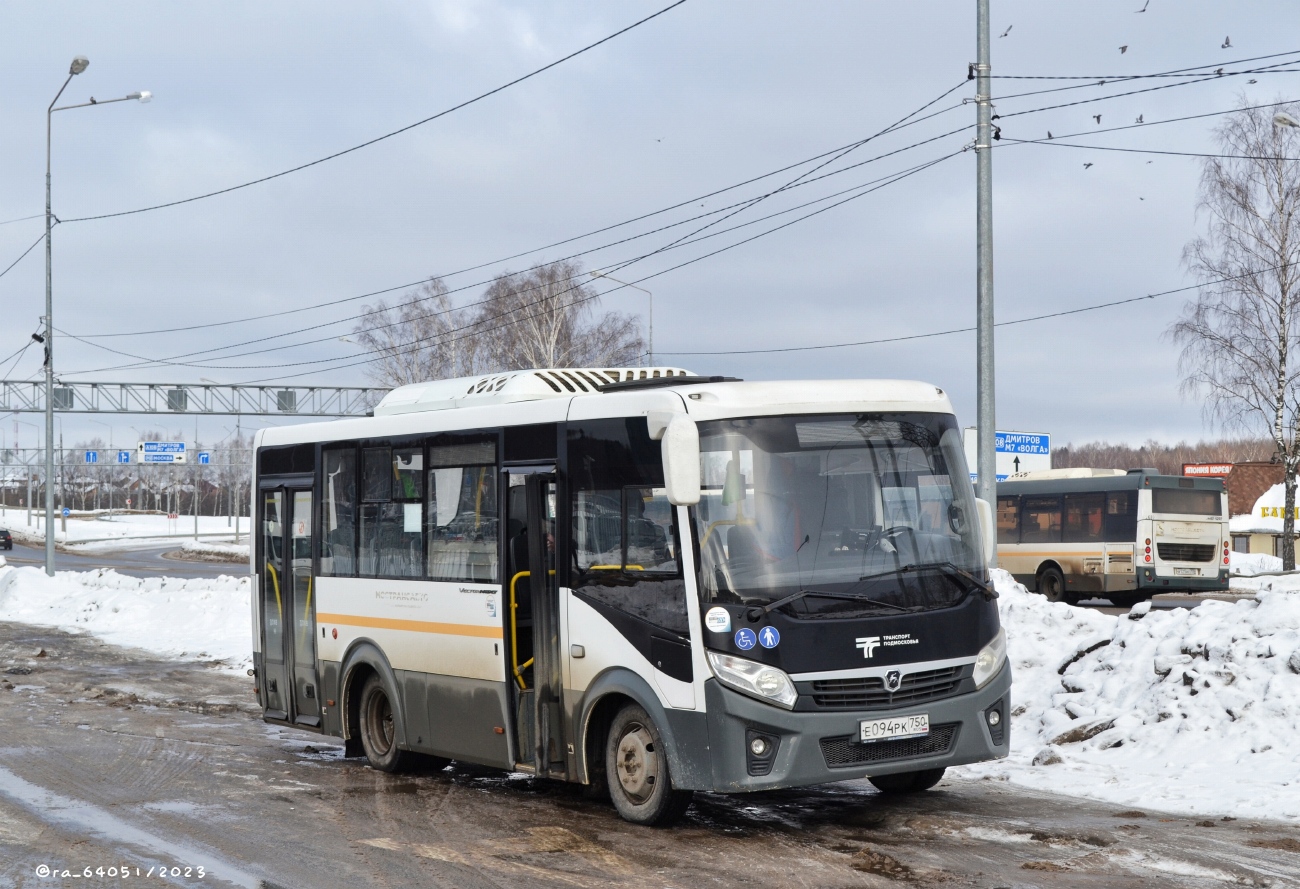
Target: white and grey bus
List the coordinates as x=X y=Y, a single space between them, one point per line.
x=1074 y=534
x=640 y=580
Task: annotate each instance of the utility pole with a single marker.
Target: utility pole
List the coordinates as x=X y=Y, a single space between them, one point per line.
x=985 y=422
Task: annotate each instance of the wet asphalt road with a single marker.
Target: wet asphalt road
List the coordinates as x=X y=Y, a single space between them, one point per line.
x=113 y=758
x=144 y=561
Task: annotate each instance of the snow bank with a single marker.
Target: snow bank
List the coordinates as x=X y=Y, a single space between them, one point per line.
x=124 y=528
x=1248 y=564
x=232 y=552
x=204 y=619
x=1183 y=710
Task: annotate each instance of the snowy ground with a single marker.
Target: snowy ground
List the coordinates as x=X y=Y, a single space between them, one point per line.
x=1191 y=711
x=125 y=528
x=205 y=619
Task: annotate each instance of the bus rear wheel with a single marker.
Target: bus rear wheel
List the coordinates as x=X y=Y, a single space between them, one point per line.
x=379 y=727
x=1051 y=583
x=907 y=782
x=636 y=770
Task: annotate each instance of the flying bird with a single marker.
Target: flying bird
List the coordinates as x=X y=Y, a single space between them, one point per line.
x=1252 y=81
x=1123 y=49
x=1139 y=120
x=1087 y=165
x=1144 y=6
x=1097 y=117
x=1007 y=31
x=1227 y=43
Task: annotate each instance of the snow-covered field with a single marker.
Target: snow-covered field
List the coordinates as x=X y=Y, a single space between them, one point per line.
x=1191 y=711
x=126 y=529
x=205 y=619
x=1183 y=710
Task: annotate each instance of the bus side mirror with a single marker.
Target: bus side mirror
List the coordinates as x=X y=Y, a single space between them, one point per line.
x=680 y=446
x=988 y=531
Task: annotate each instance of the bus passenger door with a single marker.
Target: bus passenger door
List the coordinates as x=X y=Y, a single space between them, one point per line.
x=272 y=590
x=306 y=705
x=288 y=612
x=536 y=666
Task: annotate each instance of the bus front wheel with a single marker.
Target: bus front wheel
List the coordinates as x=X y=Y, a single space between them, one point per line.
x=636 y=769
x=379 y=727
x=1051 y=583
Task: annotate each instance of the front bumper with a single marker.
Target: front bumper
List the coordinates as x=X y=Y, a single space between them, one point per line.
x=808 y=742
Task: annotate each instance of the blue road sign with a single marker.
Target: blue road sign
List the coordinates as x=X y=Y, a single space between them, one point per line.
x=92 y=456
x=123 y=456
x=1022 y=443
x=66 y=512
x=205 y=457
x=745 y=639
x=769 y=637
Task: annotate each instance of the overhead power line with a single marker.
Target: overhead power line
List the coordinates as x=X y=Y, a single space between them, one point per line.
x=22 y=255
x=477 y=326
x=949 y=332
x=1174 y=72
x=1058 y=144
x=641 y=218
x=377 y=139
x=1202 y=76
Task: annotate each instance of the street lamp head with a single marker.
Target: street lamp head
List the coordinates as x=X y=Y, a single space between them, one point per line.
x=142 y=95
x=1282 y=119
x=79 y=64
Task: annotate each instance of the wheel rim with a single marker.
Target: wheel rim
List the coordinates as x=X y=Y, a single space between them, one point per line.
x=637 y=763
x=1051 y=587
x=379 y=723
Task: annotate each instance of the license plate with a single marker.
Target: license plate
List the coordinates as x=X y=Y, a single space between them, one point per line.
x=891 y=729
x=1186 y=572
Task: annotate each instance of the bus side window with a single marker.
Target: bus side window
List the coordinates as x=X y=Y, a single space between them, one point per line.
x=1040 y=520
x=462 y=512
x=391 y=512
x=338 y=514
x=1083 y=517
x=1009 y=519
x=1121 y=516
x=625 y=537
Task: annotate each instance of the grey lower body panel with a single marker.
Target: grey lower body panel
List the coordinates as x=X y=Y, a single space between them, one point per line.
x=1157 y=583
x=456 y=717
x=821 y=747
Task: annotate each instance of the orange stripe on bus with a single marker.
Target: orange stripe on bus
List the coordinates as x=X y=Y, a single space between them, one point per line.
x=414 y=626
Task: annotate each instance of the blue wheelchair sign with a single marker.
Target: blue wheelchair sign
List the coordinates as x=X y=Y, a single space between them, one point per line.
x=745 y=639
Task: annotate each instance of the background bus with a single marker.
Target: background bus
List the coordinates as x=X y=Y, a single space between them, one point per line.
x=1075 y=534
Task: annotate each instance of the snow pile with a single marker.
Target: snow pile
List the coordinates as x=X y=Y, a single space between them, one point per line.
x=205 y=619
x=121 y=527
x=222 y=552
x=1182 y=710
x=1249 y=564
x=1265 y=517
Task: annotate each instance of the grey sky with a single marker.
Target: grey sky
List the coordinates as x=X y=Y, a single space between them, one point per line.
x=706 y=96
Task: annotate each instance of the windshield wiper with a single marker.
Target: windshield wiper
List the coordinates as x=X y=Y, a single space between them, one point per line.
x=757 y=612
x=951 y=569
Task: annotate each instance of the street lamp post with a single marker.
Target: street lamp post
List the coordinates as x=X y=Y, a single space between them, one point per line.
x=79 y=64
x=650 y=318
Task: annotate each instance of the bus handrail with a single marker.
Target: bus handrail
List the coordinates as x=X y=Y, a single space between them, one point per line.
x=516 y=667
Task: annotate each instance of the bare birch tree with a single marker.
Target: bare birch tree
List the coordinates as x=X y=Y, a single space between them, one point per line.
x=1240 y=337
x=545 y=317
x=423 y=337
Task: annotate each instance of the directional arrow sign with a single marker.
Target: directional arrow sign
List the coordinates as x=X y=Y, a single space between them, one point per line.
x=92 y=456
x=123 y=456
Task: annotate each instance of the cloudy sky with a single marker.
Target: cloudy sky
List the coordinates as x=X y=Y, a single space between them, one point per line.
x=709 y=95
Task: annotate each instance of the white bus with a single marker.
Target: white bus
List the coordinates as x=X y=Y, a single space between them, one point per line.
x=640 y=580
x=1075 y=534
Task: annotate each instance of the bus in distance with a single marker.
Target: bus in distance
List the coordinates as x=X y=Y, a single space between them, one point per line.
x=638 y=579
x=1075 y=534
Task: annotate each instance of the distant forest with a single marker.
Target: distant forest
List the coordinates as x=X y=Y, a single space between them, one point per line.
x=1168 y=459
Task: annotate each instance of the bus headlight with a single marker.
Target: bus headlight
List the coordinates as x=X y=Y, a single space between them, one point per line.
x=990 y=659
x=754 y=679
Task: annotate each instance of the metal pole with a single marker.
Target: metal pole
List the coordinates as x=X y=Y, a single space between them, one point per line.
x=49 y=348
x=986 y=462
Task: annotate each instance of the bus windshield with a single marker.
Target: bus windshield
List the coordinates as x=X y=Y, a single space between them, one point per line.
x=874 y=510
